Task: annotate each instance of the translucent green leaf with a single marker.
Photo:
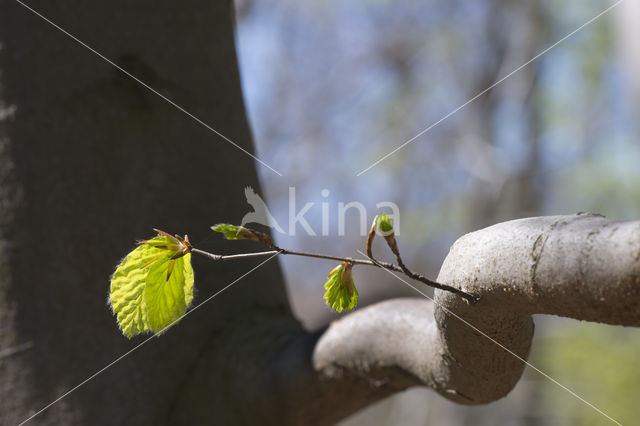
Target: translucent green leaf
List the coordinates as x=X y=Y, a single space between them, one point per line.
x=233 y=232
x=383 y=222
x=341 y=291
x=152 y=287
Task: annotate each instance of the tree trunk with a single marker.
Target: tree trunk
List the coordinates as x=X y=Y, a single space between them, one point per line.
x=91 y=161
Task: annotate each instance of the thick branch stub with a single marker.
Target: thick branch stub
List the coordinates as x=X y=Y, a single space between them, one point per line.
x=585 y=267
x=579 y=266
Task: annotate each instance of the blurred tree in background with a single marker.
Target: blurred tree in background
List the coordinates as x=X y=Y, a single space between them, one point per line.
x=602 y=362
x=348 y=82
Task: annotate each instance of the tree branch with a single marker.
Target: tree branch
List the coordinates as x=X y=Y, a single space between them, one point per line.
x=370 y=262
x=581 y=266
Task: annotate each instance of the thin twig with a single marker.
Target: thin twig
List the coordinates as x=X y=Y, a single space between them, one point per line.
x=427 y=281
x=393 y=245
x=370 y=262
x=234 y=256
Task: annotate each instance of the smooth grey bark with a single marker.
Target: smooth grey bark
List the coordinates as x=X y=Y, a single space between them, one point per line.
x=91 y=161
x=581 y=266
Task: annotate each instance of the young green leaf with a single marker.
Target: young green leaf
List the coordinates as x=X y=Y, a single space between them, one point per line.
x=385 y=228
x=383 y=222
x=341 y=291
x=152 y=288
x=233 y=232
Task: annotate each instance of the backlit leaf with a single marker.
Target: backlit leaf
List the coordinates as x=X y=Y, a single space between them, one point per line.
x=233 y=232
x=384 y=225
x=341 y=291
x=153 y=286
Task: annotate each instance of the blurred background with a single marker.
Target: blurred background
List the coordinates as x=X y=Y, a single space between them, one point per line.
x=333 y=86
